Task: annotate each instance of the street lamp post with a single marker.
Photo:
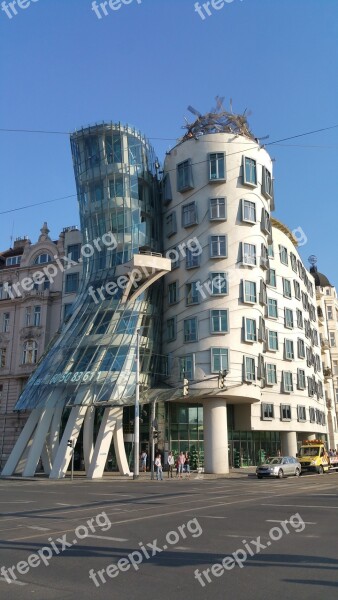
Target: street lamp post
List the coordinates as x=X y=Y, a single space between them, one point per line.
x=137 y=410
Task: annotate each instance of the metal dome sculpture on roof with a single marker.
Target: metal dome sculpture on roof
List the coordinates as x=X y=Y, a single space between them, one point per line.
x=320 y=279
x=218 y=120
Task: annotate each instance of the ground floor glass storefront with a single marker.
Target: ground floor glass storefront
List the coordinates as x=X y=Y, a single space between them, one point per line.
x=184 y=432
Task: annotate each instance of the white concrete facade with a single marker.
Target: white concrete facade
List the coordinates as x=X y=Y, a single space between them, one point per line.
x=218 y=197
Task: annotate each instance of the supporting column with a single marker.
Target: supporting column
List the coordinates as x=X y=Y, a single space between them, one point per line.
x=22 y=443
x=289 y=443
x=103 y=441
x=216 y=459
x=88 y=437
x=120 y=450
x=71 y=432
x=39 y=440
x=55 y=430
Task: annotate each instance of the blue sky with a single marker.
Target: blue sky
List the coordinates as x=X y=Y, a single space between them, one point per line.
x=143 y=64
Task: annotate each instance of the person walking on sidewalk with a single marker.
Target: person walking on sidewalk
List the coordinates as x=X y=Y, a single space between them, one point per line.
x=181 y=461
x=144 y=461
x=187 y=465
x=171 y=462
x=158 y=465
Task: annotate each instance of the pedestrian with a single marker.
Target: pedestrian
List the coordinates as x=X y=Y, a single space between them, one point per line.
x=181 y=461
x=187 y=465
x=144 y=457
x=158 y=465
x=171 y=462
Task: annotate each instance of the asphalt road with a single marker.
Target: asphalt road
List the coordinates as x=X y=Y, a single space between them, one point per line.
x=178 y=539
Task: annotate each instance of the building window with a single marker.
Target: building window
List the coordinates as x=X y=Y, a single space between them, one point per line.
x=74 y=251
x=218 y=246
x=117 y=187
x=248 y=211
x=192 y=293
x=5 y=322
x=272 y=308
x=299 y=314
x=37 y=316
x=219 y=283
x=11 y=261
x=249 y=254
x=189 y=214
x=267 y=183
x=297 y=289
x=190 y=329
x=301 y=348
x=264 y=257
x=305 y=301
x=293 y=260
x=173 y=292
x=30 y=353
x=171 y=329
x=307 y=328
x=312 y=413
x=301 y=381
x=72 y=283
x=289 y=350
x=249 y=292
x=283 y=255
x=288 y=318
x=219 y=360
x=174 y=256
x=113 y=148
x=187 y=367
x=332 y=339
x=249 y=171
x=3 y=352
x=67 y=310
x=250 y=330
x=249 y=369
x=166 y=190
x=286 y=288
x=329 y=313
x=271 y=374
x=285 y=412
x=219 y=321
x=273 y=341
x=266 y=227
x=217 y=166
x=217 y=209
x=267 y=411
x=192 y=260
x=271 y=252
x=171 y=226
x=301 y=413
x=271 y=278
x=43 y=259
x=287 y=382
x=184 y=176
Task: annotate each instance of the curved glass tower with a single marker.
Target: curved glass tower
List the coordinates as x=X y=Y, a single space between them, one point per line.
x=92 y=362
x=93 y=359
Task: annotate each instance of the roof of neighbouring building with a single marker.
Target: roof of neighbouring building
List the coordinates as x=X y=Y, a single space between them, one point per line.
x=320 y=279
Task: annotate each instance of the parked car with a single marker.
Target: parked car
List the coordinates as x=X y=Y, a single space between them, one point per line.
x=279 y=466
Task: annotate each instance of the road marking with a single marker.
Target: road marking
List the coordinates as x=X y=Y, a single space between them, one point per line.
x=211 y=517
x=39 y=528
x=302 y=505
x=63 y=504
x=283 y=521
x=17 y=502
x=104 y=537
x=15 y=581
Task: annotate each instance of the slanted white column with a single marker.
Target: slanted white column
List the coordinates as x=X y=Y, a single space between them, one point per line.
x=45 y=459
x=55 y=430
x=215 y=423
x=22 y=443
x=120 y=450
x=103 y=442
x=71 y=432
x=88 y=437
x=39 y=440
x=289 y=443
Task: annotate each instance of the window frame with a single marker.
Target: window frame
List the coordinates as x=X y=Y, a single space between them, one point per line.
x=220 y=316
x=252 y=171
x=270 y=371
x=226 y=355
x=246 y=255
x=218 y=209
x=189 y=215
x=184 y=176
x=250 y=209
x=216 y=240
x=219 y=158
x=248 y=297
x=250 y=335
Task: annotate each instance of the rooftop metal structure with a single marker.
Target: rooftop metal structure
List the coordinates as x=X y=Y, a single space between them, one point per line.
x=218 y=120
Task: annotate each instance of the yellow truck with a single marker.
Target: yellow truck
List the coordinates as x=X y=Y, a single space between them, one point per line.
x=313 y=456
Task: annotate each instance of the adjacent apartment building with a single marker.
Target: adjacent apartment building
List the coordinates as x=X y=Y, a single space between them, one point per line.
x=36 y=294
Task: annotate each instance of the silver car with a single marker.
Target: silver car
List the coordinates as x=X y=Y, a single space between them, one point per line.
x=279 y=466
